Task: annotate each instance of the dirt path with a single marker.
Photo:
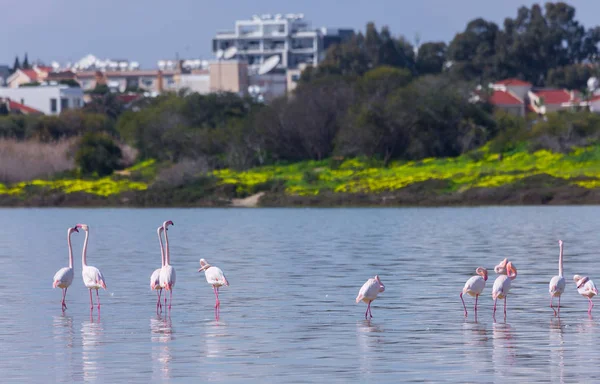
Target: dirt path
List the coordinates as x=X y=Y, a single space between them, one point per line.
x=248 y=202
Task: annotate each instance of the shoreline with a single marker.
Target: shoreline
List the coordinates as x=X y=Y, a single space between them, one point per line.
x=419 y=195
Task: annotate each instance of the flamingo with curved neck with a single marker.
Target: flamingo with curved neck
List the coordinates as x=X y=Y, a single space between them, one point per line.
x=502 y=285
x=64 y=276
x=369 y=292
x=92 y=277
x=167 y=272
x=155 y=277
x=474 y=286
x=557 y=283
x=216 y=278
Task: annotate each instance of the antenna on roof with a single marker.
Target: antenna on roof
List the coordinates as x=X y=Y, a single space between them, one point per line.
x=229 y=52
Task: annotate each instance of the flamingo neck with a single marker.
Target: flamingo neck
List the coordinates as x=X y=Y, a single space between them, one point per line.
x=85 y=244
x=70 y=249
x=167 y=251
x=162 y=252
x=560 y=262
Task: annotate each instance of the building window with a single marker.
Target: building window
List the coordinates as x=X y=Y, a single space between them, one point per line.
x=64 y=103
x=77 y=102
x=52 y=105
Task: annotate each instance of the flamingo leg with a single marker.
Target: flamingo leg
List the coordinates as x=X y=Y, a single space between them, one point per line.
x=158 y=304
x=64 y=305
x=558 y=312
x=551 y=298
x=590 y=306
x=495 y=300
x=476 y=297
x=98 y=298
x=370 y=313
x=165 y=301
x=367 y=311
x=464 y=306
x=505 y=306
x=170 y=298
x=91 y=301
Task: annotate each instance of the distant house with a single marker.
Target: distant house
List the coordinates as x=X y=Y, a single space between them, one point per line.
x=543 y=101
x=48 y=99
x=24 y=76
x=150 y=80
x=17 y=108
x=509 y=95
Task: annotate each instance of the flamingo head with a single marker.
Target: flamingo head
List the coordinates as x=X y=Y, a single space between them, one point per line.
x=160 y=229
x=482 y=272
x=381 y=286
x=560 y=243
x=166 y=224
x=580 y=280
x=203 y=265
x=501 y=268
x=511 y=270
x=72 y=229
x=85 y=227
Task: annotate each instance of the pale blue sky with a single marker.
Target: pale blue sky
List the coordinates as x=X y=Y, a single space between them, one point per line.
x=147 y=30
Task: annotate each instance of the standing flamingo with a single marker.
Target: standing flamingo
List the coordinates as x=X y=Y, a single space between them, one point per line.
x=92 y=277
x=155 y=278
x=557 y=283
x=216 y=278
x=502 y=285
x=474 y=286
x=369 y=291
x=586 y=288
x=167 y=272
x=500 y=269
x=64 y=277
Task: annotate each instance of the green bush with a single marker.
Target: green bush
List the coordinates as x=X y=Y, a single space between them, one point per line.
x=98 y=154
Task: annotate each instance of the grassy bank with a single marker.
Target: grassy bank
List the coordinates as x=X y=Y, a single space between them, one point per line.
x=478 y=177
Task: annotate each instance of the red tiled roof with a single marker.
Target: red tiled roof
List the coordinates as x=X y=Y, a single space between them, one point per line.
x=14 y=106
x=43 y=68
x=30 y=73
x=556 y=96
x=514 y=81
x=595 y=98
x=504 y=98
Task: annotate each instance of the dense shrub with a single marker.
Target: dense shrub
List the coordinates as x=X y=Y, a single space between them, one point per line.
x=98 y=154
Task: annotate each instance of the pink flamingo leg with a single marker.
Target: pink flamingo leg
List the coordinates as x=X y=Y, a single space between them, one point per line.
x=98 y=298
x=464 y=306
x=476 y=297
x=369 y=308
x=495 y=300
x=170 y=298
x=504 y=306
x=367 y=311
x=158 y=304
x=558 y=312
x=91 y=301
x=165 y=300
x=64 y=305
x=590 y=306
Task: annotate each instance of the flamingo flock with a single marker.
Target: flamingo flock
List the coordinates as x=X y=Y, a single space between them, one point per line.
x=164 y=278
x=508 y=272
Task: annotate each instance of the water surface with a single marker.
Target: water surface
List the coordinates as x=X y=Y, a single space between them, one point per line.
x=289 y=314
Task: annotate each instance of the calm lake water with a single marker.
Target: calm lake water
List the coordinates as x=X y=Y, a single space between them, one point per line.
x=289 y=314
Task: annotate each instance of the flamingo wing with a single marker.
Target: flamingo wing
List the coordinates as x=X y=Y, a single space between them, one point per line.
x=155 y=279
x=215 y=276
x=63 y=278
x=474 y=286
x=557 y=286
x=369 y=290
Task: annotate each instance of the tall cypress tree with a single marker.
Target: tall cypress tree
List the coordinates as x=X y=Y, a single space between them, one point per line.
x=26 y=62
x=17 y=64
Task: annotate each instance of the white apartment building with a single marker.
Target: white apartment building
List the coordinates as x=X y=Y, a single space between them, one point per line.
x=288 y=36
x=49 y=99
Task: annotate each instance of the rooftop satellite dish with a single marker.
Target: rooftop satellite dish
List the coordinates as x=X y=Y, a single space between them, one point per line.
x=55 y=65
x=161 y=64
x=269 y=65
x=134 y=65
x=229 y=53
x=219 y=54
x=123 y=65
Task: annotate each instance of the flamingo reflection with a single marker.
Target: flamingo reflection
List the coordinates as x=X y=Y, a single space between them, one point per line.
x=91 y=338
x=503 y=349
x=369 y=336
x=557 y=357
x=161 y=333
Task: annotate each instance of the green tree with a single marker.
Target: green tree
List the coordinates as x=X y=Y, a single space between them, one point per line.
x=98 y=154
x=16 y=65
x=26 y=62
x=431 y=58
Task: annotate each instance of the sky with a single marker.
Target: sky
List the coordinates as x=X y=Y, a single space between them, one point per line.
x=149 y=30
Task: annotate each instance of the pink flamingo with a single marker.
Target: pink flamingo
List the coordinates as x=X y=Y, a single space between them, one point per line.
x=474 y=286
x=557 y=283
x=502 y=285
x=369 y=291
x=92 y=277
x=586 y=288
x=64 y=277
x=155 y=278
x=167 y=272
x=216 y=278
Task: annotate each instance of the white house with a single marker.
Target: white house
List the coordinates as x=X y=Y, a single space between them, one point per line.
x=49 y=99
